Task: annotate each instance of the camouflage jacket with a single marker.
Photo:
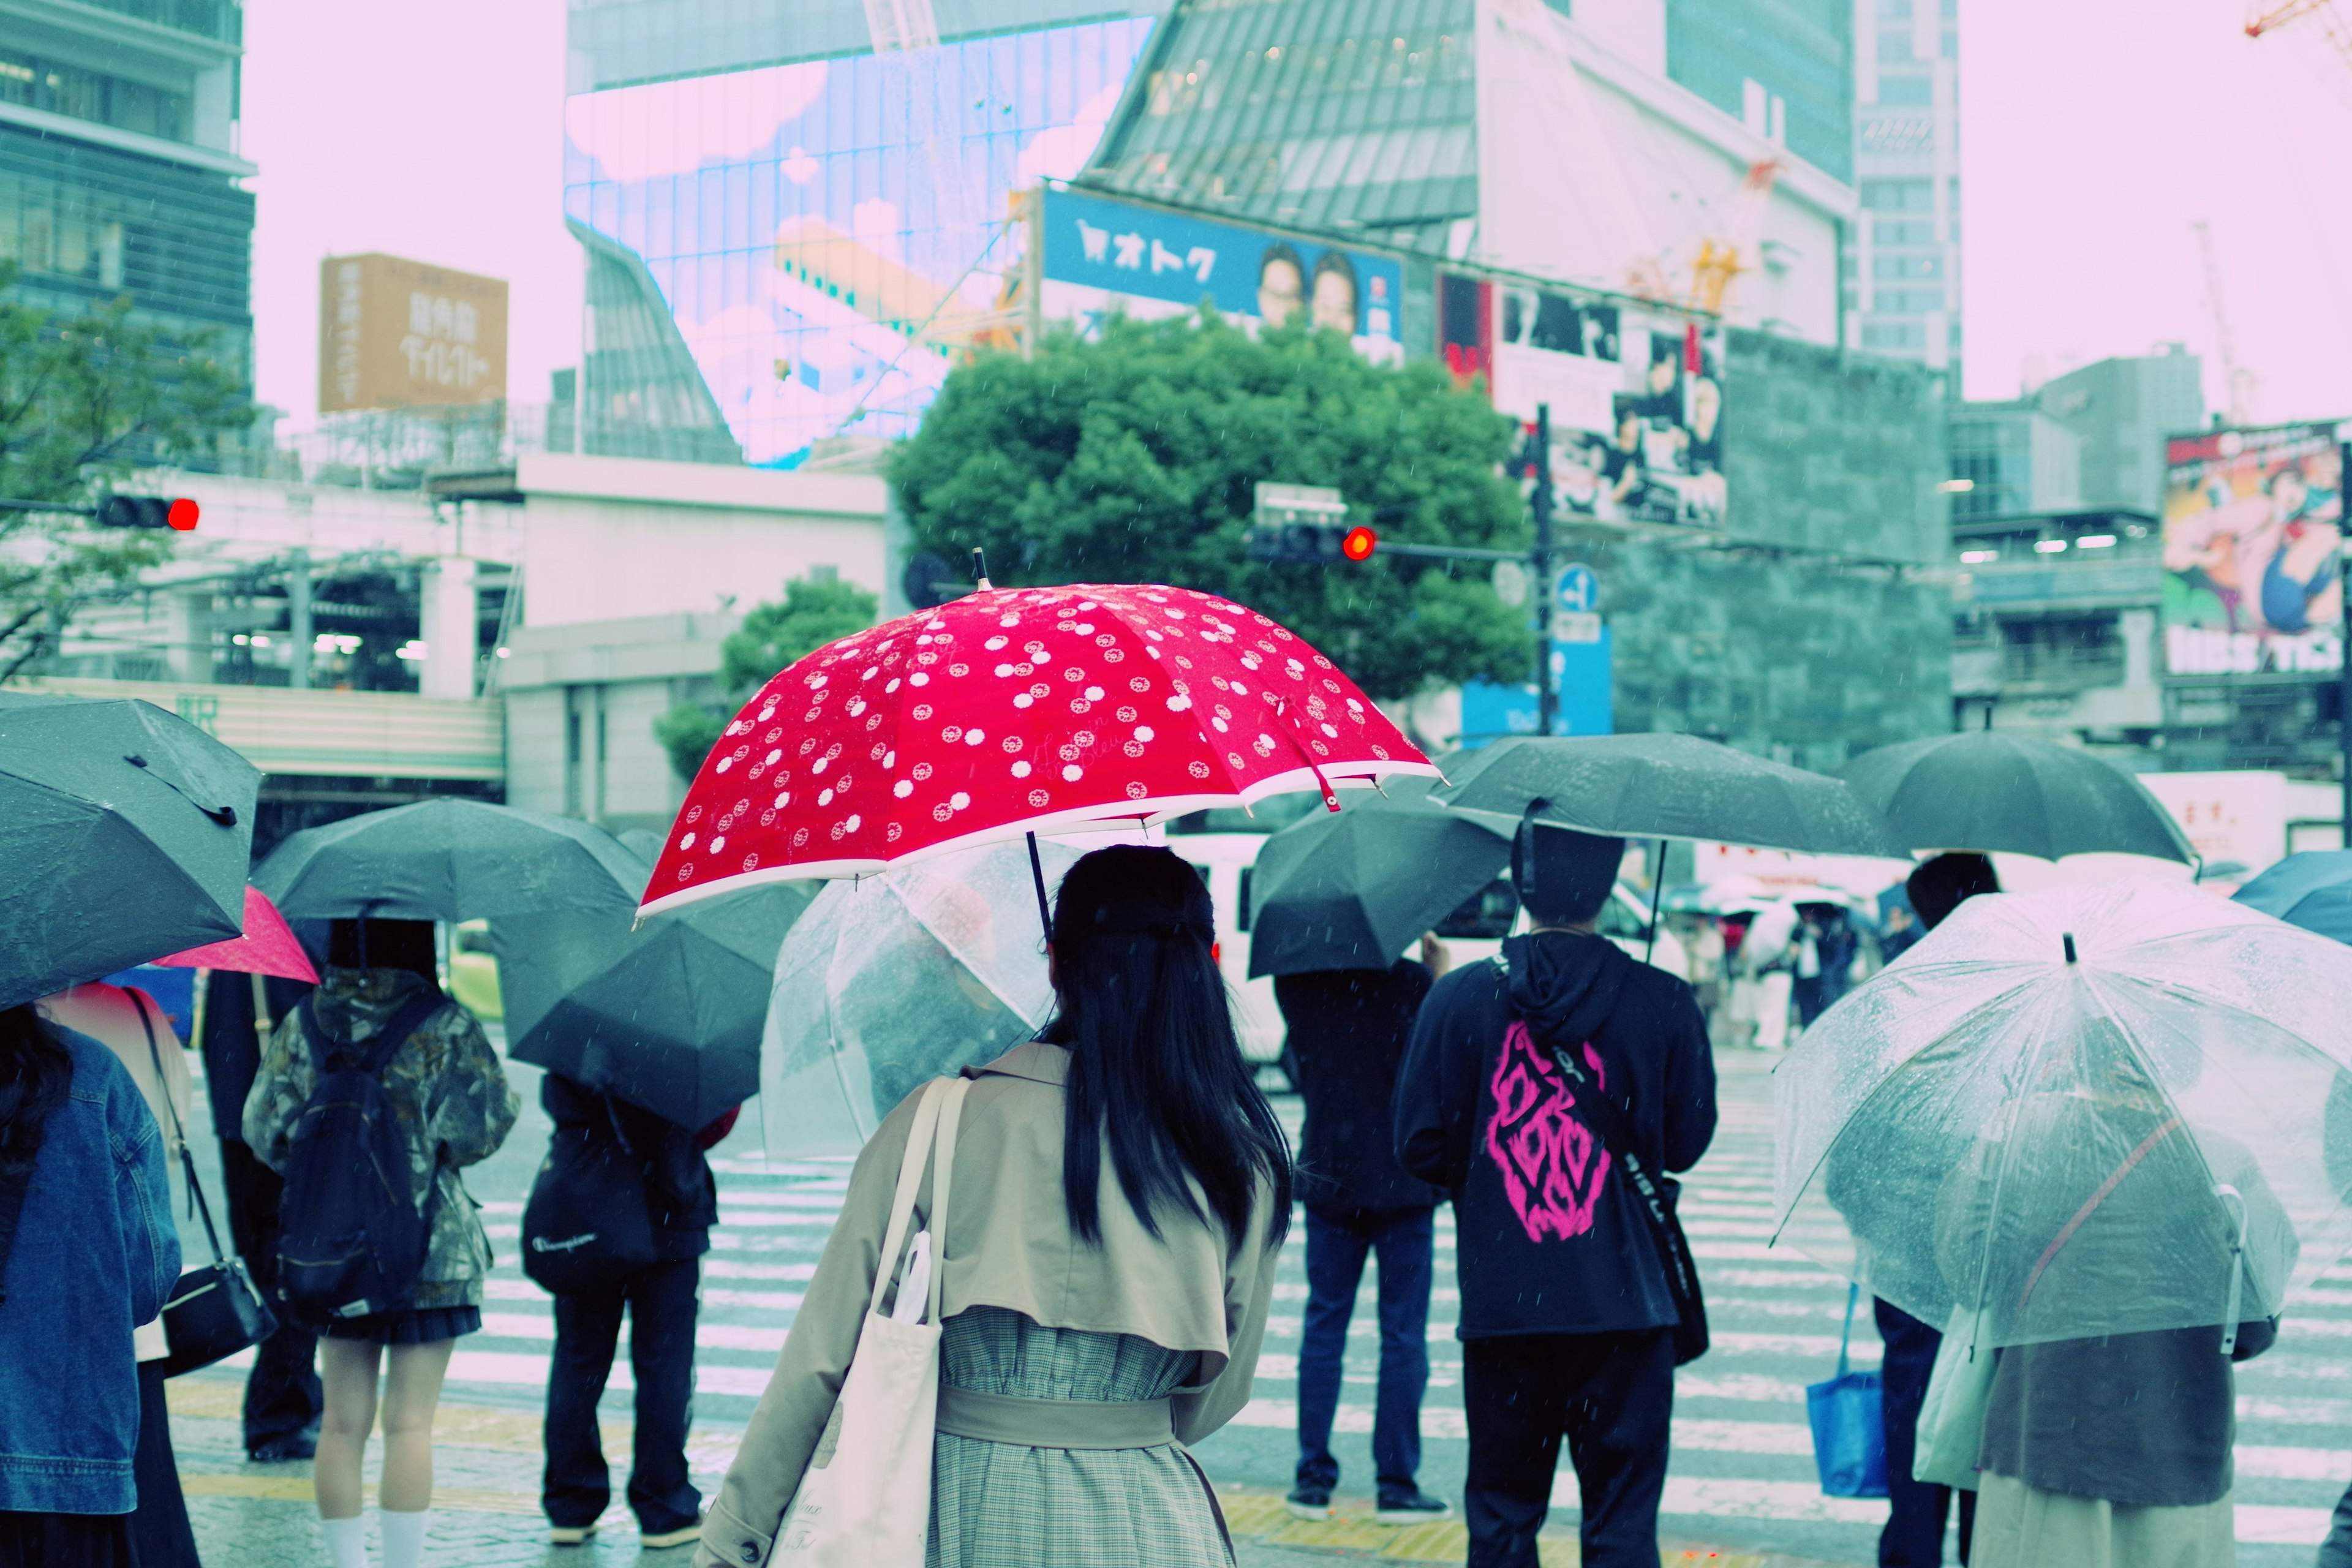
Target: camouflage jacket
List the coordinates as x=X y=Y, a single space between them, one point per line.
x=447 y=1089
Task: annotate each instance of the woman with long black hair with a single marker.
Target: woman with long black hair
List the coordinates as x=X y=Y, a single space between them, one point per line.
x=88 y=1252
x=1120 y=1192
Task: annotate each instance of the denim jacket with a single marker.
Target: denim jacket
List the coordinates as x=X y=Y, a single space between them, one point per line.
x=96 y=1254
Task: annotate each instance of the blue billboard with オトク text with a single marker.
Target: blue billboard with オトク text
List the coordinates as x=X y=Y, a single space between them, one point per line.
x=1104 y=255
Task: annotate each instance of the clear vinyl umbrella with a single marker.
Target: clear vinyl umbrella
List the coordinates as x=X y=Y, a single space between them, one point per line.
x=892 y=980
x=2095 y=1110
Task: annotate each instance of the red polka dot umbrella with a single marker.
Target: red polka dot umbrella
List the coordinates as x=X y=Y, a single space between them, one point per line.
x=1018 y=710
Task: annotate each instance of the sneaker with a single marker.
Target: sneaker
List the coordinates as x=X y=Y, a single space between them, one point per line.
x=572 y=1535
x=684 y=1535
x=280 y=1450
x=1308 y=1501
x=1411 y=1505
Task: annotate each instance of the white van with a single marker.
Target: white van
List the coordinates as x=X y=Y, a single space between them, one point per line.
x=1226 y=861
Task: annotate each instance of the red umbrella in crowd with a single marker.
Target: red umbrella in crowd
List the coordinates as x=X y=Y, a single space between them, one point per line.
x=268 y=946
x=1018 y=710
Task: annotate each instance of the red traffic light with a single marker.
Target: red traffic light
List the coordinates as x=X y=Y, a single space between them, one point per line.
x=182 y=514
x=146 y=511
x=1359 y=544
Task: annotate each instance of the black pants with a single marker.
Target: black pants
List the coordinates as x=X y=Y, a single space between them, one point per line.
x=161 y=1536
x=661 y=1305
x=1613 y=1396
x=282 y=1397
x=1914 y=1536
x=65 y=1540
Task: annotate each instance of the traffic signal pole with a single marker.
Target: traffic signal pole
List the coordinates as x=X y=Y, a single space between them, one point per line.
x=1540 y=459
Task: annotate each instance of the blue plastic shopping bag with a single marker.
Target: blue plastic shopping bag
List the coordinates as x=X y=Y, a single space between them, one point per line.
x=1849 y=1424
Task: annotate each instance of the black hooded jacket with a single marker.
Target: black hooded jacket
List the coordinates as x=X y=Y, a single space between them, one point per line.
x=681 y=1194
x=1550 y=1235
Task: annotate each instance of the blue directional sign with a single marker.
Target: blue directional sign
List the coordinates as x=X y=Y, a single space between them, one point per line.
x=1576 y=589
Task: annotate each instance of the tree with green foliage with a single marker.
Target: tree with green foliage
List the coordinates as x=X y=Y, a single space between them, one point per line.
x=1134 y=457
x=83 y=400
x=813 y=614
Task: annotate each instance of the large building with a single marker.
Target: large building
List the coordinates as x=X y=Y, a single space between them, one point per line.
x=118 y=172
x=1903 y=260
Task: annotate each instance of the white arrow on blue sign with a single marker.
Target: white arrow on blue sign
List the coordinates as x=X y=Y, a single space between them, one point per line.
x=1575 y=589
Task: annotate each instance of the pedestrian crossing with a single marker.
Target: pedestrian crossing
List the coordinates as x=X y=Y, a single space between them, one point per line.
x=1742 y=1469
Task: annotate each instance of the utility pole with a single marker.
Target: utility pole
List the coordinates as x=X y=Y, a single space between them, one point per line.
x=1540 y=461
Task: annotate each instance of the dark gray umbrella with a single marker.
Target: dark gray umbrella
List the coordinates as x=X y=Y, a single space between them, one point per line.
x=1664 y=786
x=450 y=859
x=1349 y=889
x=671 y=1019
x=2312 y=889
x=125 y=834
x=1985 y=791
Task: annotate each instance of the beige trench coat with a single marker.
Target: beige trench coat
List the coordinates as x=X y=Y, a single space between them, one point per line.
x=1008 y=1245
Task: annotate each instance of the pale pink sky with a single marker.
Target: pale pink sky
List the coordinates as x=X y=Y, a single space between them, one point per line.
x=2095 y=132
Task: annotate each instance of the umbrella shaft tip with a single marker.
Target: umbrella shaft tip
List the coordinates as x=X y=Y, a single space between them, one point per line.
x=2068 y=938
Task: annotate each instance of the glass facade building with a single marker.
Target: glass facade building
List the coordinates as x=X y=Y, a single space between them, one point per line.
x=827 y=225
x=121 y=180
x=1904 y=258
x=1784 y=66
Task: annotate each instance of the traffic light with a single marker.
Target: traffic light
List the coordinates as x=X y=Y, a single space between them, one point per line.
x=177 y=513
x=1359 y=543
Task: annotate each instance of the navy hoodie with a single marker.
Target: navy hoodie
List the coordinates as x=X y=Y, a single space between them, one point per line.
x=1549 y=1234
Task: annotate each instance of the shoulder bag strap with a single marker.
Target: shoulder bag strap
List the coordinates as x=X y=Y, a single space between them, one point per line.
x=942 y=1178
x=410 y=1018
x=1611 y=1124
x=910 y=1177
x=179 y=1134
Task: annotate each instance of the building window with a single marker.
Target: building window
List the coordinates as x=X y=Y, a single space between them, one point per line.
x=1903 y=267
x=1903 y=233
x=1905 y=88
x=1894 y=44
x=1906 y=302
x=94 y=96
x=1893 y=335
x=48 y=229
x=1899 y=195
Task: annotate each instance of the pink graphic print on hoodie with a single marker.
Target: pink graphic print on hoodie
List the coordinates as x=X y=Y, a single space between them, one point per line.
x=1553 y=1167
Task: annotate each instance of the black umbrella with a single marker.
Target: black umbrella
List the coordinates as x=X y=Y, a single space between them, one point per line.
x=125 y=834
x=450 y=859
x=1349 y=890
x=2312 y=889
x=1985 y=791
x=672 y=1019
x=1664 y=786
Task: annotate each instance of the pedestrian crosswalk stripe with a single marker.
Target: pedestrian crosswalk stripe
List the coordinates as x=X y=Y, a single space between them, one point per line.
x=2332 y=1466
x=2259 y=1524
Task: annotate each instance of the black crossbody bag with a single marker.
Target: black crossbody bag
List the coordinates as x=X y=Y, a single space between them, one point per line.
x=212 y=1311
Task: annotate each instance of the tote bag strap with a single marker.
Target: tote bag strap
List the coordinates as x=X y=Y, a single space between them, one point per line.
x=942 y=1178
x=910 y=1177
x=179 y=1134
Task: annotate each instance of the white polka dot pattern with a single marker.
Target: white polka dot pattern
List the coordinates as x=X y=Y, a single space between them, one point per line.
x=1014 y=709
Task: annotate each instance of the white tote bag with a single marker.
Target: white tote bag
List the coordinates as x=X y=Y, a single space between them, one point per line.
x=1952 y=1415
x=866 y=1499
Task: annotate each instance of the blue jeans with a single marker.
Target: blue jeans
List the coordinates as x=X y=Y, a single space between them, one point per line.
x=1337 y=1241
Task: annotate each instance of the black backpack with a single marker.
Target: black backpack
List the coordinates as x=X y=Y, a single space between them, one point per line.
x=588 y=1225
x=351 y=1241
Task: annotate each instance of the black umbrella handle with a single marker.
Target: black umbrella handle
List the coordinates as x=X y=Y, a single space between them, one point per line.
x=1037 y=875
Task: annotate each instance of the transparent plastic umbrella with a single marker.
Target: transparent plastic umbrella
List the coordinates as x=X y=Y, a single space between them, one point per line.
x=2094 y=1110
x=894 y=979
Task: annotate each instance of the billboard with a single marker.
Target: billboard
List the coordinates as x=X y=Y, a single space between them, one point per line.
x=1635 y=393
x=2252 y=519
x=831 y=235
x=1104 y=255
x=395 y=333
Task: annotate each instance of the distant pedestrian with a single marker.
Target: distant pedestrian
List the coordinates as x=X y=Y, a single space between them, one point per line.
x=134 y=1026
x=1120 y=1192
x=1347 y=1031
x=681 y=1201
x=87 y=1254
x=1916 y=1511
x=1823 y=968
x=450 y=1099
x=282 y=1400
x=1567 y=1313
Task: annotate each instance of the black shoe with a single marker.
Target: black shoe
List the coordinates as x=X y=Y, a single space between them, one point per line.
x=280 y=1450
x=1411 y=1505
x=1308 y=1501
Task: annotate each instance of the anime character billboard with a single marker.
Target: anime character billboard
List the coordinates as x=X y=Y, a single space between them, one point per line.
x=2252 y=521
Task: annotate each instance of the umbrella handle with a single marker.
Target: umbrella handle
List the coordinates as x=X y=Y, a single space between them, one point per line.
x=1657 y=892
x=1037 y=875
x=2237 y=1269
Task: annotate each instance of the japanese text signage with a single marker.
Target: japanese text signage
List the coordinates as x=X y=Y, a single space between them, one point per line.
x=1105 y=255
x=395 y=333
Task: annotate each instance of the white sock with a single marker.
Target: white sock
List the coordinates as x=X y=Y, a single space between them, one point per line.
x=346 y=1548
x=403 y=1538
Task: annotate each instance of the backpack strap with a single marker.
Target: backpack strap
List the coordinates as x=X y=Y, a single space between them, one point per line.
x=406 y=1021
